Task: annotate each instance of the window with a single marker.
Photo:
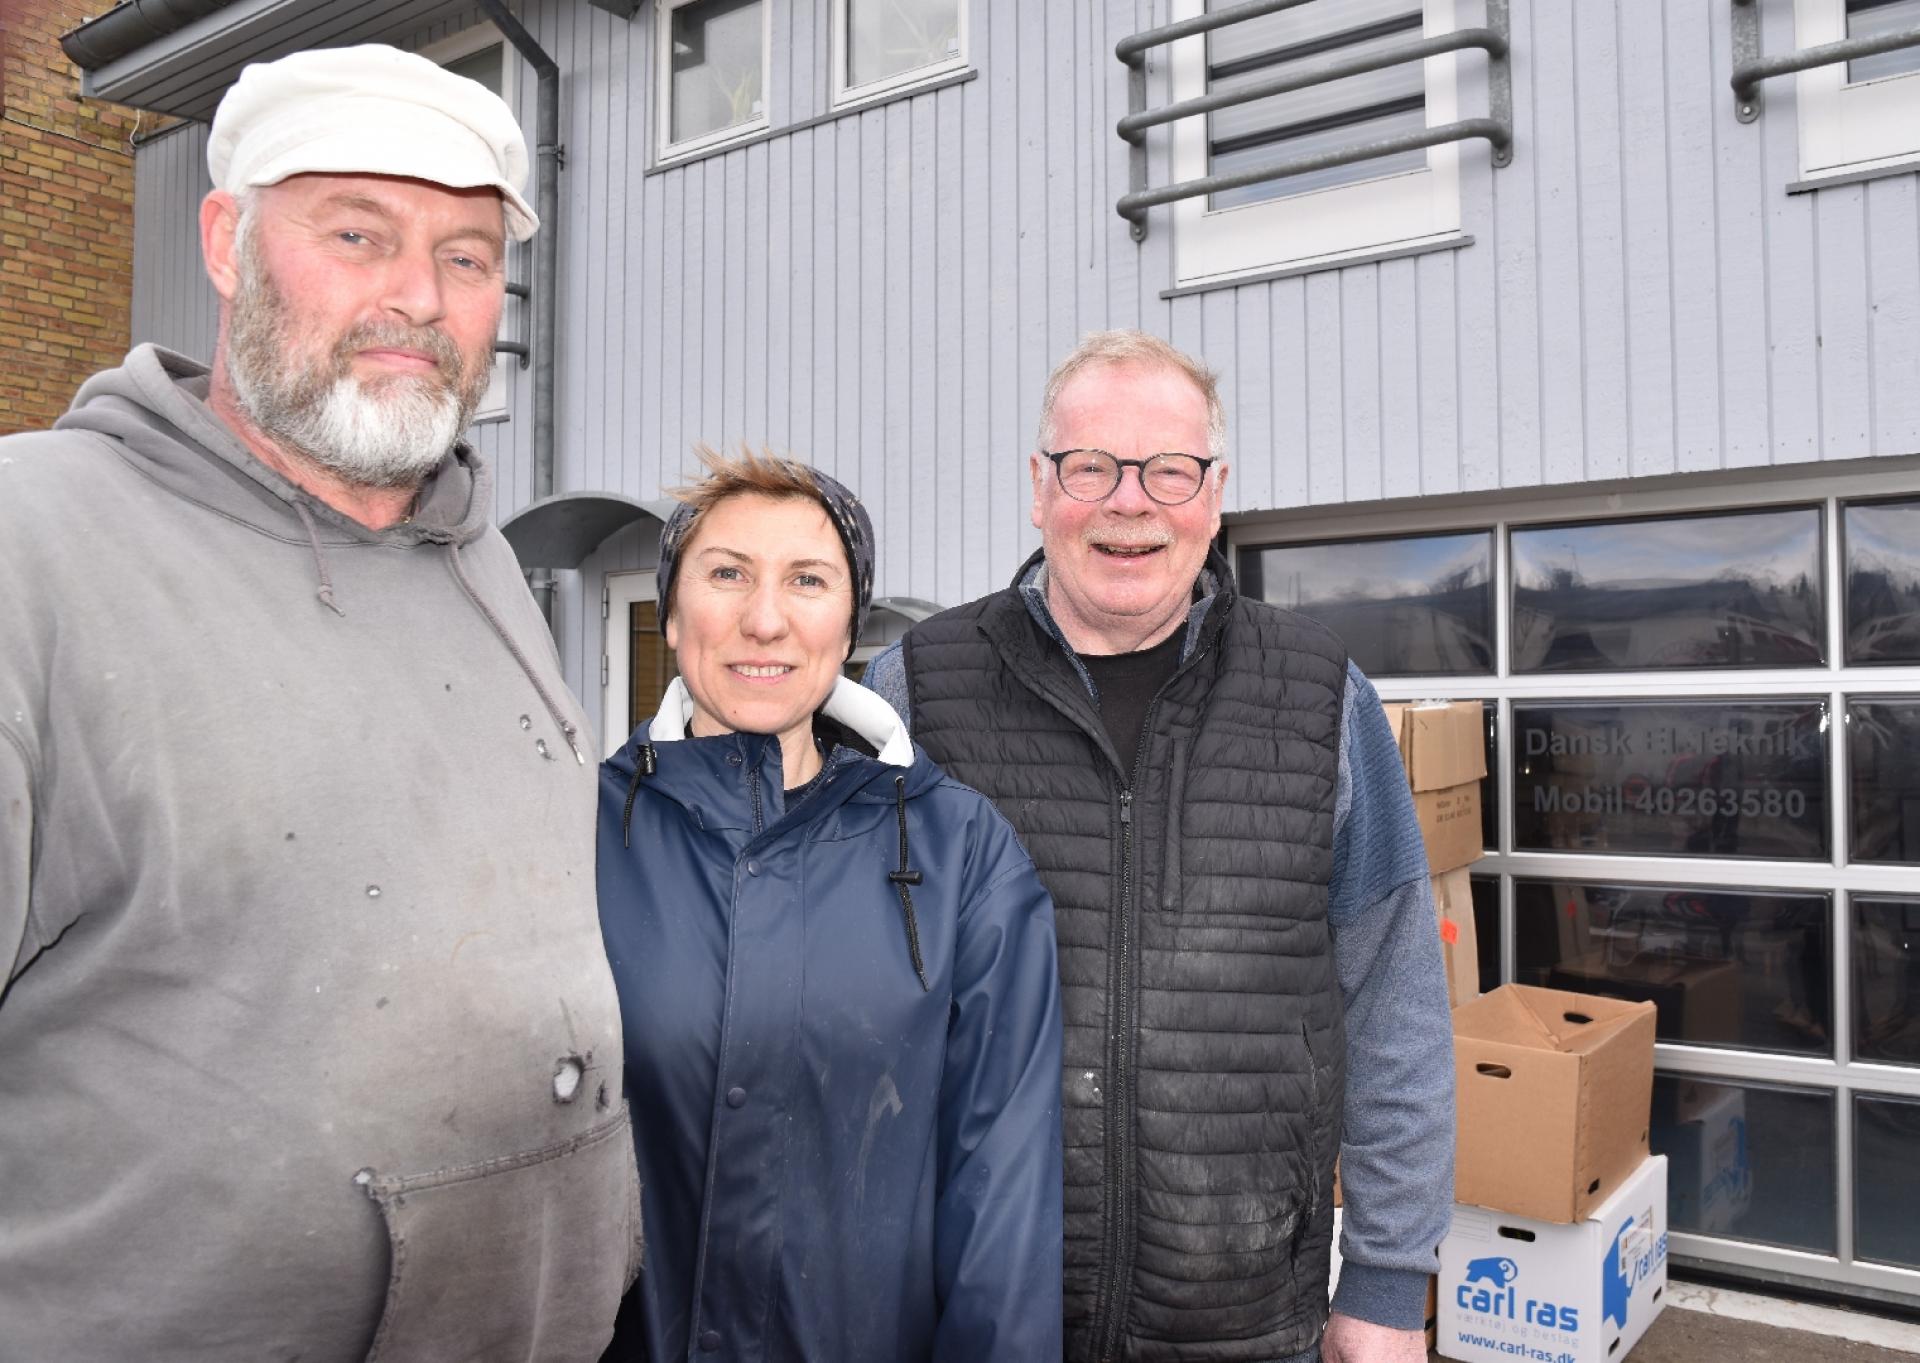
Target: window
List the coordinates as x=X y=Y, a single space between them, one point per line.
x=1413 y=605
x=1353 y=209
x=480 y=54
x=884 y=45
x=713 y=72
x=1703 y=710
x=1861 y=115
x=1689 y=591
x=1685 y=949
x=1747 y=1161
x=1882 y=546
x=1886 y=1179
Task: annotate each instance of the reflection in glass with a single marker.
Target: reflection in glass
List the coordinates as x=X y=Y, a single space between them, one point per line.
x=890 y=37
x=1724 y=967
x=1340 y=113
x=1685 y=778
x=651 y=664
x=716 y=67
x=1747 y=1161
x=1421 y=605
x=1883 y=778
x=1738 y=590
x=1882 y=543
x=1886 y=1180
x=1886 y=979
x=1486 y=928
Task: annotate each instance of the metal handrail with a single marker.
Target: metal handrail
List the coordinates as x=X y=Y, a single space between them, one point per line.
x=1497 y=129
x=1750 y=67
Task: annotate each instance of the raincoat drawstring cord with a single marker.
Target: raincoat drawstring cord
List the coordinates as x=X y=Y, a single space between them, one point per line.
x=642 y=767
x=904 y=877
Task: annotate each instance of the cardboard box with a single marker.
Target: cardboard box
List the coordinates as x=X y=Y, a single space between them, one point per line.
x=1553 y=1092
x=1514 y=1287
x=1710 y=1174
x=1443 y=747
x=1459 y=943
x=1698 y=1000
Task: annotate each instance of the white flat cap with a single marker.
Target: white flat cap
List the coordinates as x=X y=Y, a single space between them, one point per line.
x=369 y=110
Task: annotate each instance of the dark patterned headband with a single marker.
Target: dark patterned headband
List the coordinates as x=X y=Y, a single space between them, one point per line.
x=849 y=518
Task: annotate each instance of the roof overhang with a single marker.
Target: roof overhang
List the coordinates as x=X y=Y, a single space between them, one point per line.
x=179 y=56
x=562 y=530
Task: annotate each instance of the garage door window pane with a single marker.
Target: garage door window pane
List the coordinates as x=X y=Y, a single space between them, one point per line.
x=1680 y=778
x=1486 y=928
x=1692 y=591
x=1886 y=979
x=1418 y=606
x=1886 y=1180
x=1724 y=967
x=1883 y=776
x=1747 y=1161
x=1882 y=542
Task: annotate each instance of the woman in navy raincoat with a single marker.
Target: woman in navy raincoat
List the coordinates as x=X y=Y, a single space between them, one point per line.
x=837 y=979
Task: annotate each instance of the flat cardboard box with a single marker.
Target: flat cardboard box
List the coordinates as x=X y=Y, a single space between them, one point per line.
x=1553 y=1092
x=1698 y=1000
x=1459 y=944
x=1443 y=748
x=1514 y=1287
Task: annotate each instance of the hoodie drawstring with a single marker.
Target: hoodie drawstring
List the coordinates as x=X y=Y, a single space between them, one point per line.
x=319 y=559
x=566 y=726
x=904 y=877
x=642 y=767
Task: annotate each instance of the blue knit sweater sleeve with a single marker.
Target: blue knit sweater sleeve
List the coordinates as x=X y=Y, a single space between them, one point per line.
x=1396 y=1158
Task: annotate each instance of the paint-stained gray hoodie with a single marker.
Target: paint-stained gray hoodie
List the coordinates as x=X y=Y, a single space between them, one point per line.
x=297 y=922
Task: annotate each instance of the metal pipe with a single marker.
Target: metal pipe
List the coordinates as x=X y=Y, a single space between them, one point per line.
x=1133 y=207
x=1132 y=50
x=1133 y=127
x=546 y=261
x=129 y=26
x=1750 y=68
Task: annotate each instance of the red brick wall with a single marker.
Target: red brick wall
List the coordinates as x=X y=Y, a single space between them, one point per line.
x=66 y=217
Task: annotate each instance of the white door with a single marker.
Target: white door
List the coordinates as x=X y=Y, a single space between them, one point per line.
x=636 y=664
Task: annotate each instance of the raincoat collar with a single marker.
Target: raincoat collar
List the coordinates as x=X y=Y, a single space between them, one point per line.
x=851 y=704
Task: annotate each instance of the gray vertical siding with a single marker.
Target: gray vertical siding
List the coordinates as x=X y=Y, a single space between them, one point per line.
x=884 y=292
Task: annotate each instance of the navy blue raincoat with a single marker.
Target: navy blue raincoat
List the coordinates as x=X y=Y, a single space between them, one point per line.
x=839 y=1162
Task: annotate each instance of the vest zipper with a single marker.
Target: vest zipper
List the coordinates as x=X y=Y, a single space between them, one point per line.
x=1109 y=1319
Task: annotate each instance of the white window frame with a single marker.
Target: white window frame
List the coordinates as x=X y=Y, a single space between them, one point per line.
x=663 y=12
x=1846 y=129
x=623 y=591
x=1404 y=209
x=845 y=94
x=493 y=403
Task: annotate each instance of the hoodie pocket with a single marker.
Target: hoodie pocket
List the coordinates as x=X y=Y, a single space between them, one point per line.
x=510 y=1258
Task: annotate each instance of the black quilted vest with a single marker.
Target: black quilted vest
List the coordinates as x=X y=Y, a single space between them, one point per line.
x=1205 y=1049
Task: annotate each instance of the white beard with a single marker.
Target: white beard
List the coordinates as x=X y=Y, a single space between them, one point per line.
x=387 y=433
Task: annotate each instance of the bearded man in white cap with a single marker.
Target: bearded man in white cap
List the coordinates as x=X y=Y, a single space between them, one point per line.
x=308 y=1046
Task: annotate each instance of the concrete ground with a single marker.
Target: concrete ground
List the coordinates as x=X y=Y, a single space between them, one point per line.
x=1707 y=1325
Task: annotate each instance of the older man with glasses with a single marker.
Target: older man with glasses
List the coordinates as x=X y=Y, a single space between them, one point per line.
x=1251 y=974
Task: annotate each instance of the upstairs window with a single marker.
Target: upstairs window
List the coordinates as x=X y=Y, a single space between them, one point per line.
x=885 y=45
x=1355 y=209
x=1862 y=115
x=713 y=72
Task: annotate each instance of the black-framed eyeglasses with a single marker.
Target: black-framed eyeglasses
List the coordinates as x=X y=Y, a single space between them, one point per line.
x=1092 y=475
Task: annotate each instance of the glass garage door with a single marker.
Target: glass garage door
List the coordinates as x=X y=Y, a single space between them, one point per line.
x=1703 y=747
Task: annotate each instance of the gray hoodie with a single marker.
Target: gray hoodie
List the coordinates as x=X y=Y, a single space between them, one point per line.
x=308 y=1045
